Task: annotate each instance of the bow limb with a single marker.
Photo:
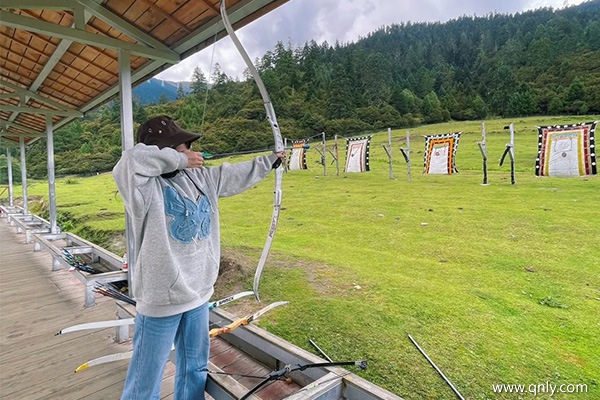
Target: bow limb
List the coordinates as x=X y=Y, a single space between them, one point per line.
x=218 y=303
x=97 y=325
x=113 y=323
x=245 y=320
x=278 y=145
x=259 y=82
x=104 y=360
x=108 y=359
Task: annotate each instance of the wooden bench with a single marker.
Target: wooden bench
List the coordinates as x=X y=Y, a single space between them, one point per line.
x=95 y=256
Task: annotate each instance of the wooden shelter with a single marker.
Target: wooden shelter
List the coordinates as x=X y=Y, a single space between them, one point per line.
x=60 y=59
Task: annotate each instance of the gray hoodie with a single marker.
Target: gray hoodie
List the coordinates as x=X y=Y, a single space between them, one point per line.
x=175 y=223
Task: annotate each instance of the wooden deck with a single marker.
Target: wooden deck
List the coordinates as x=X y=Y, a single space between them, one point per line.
x=35 y=303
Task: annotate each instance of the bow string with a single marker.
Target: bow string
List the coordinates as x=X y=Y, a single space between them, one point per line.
x=272 y=118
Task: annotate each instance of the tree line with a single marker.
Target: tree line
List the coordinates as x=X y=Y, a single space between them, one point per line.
x=540 y=62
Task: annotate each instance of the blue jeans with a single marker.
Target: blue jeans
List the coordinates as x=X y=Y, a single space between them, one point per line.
x=152 y=341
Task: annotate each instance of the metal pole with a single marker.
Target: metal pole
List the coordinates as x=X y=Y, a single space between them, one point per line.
x=127 y=143
x=51 y=180
x=10 y=178
x=436 y=368
x=23 y=175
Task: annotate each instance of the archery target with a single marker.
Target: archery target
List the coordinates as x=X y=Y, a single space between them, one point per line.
x=298 y=156
x=440 y=152
x=566 y=150
x=357 y=154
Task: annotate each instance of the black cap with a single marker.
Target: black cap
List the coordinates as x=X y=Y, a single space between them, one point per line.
x=162 y=131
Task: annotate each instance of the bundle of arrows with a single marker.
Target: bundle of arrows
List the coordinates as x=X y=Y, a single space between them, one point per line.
x=110 y=290
x=77 y=262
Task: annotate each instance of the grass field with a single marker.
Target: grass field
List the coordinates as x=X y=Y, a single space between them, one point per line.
x=499 y=284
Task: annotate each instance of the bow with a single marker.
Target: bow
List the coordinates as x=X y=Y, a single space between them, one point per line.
x=128 y=354
x=278 y=145
x=113 y=323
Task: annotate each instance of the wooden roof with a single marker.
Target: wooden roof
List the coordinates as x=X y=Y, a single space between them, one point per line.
x=61 y=57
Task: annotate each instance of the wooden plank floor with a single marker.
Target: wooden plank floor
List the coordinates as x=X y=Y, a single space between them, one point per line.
x=35 y=303
x=234 y=361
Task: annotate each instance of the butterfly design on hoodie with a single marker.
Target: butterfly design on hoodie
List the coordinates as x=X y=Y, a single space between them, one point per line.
x=190 y=219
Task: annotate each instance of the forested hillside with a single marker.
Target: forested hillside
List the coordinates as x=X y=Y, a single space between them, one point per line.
x=537 y=62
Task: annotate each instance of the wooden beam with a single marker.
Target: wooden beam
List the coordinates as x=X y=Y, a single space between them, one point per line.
x=45 y=111
x=79 y=36
x=7 y=124
x=120 y=24
x=38 y=4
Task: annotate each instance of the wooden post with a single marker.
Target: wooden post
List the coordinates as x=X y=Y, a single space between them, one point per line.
x=510 y=150
x=406 y=154
x=324 y=155
x=512 y=153
x=483 y=150
x=286 y=161
x=388 y=150
x=337 y=156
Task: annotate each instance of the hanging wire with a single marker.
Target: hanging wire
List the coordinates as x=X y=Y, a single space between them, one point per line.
x=212 y=57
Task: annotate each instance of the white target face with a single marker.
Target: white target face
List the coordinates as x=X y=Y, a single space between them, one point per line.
x=356 y=156
x=296 y=159
x=439 y=160
x=564 y=155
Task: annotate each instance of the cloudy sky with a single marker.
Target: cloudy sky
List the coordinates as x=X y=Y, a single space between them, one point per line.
x=299 y=21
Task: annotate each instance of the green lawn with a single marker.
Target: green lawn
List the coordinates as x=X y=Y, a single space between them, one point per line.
x=497 y=283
